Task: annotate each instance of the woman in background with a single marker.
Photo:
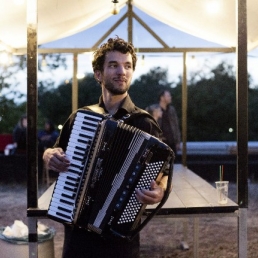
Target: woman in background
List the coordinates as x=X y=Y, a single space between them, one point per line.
x=20 y=135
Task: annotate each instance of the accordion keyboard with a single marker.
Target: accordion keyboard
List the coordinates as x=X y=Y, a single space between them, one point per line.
x=65 y=193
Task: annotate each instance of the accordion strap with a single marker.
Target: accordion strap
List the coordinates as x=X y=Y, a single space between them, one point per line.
x=129 y=116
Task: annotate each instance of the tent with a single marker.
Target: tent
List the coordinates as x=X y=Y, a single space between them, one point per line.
x=28 y=26
x=58 y=19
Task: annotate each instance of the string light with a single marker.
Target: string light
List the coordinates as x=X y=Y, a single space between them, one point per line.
x=213 y=7
x=44 y=62
x=191 y=61
x=143 y=60
x=6 y=58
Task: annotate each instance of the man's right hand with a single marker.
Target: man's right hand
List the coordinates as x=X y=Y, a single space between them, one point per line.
x=56 y=160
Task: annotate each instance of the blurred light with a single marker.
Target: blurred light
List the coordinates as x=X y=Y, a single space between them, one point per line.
x=80 y=75
x=43 y=62
x=191 y=61
x=60 y=127
x=18 y=2
x=231 y=130
x=67 y=81
x=213 y=7
x=4 y=58
x=32 y=12
x=115 y=9
x=143 y=60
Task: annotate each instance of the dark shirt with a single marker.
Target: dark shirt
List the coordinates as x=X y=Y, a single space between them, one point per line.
x=46 y=139
x=20 y=136
x=139 y=118
x=170 y=127
x=80 y=243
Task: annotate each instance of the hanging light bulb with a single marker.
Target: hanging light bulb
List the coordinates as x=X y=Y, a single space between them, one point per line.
x=43 y=62
x=192 y=62
x=143 y=61
x=115 y=9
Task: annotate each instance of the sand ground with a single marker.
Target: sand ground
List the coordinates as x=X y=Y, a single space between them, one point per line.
x=162 y=237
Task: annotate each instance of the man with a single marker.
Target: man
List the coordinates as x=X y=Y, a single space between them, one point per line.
x=169 y=121
x=113 y=65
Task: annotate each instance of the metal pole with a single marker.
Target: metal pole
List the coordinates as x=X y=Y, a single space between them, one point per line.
x=75 y=83
x=184 y=110
x=130 y=21
x=32 y=105
x=242 y=126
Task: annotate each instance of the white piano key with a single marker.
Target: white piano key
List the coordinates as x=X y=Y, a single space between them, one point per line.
x=70 y=175
x=54 y=214
x=65 y=189
x=89 y=133
x=74 y=155
x=61 y=205
x=76 y=149
x=91 y=118
x=58 y=196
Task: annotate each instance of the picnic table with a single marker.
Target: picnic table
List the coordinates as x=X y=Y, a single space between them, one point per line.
x=191 y=197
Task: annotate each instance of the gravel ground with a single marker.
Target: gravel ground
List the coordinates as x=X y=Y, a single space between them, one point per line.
x=162 y=237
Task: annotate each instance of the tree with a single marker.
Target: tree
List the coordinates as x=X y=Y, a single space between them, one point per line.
x=10 y=113
x=144 y=91
x=12 y=101
x=56 y=103
x=212 y=106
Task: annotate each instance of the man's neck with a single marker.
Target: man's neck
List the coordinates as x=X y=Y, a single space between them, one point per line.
x=113 y=102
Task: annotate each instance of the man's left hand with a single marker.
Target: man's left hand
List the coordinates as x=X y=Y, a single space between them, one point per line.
x=152 y=196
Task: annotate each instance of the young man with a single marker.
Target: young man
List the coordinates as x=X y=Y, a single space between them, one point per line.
x=169 y=121
x=113 y=65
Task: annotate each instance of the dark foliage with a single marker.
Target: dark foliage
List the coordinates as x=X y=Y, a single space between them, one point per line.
x=211 y=112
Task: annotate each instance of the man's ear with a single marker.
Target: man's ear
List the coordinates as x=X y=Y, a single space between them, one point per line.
x=98 y=76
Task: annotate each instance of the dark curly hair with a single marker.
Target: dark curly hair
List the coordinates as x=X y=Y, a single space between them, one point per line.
x=113 y=44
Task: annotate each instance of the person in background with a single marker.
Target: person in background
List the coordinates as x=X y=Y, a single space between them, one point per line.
x=155 y=110
x=20 y=135
x=169 y=121
x=47 y=137
x=113 y=65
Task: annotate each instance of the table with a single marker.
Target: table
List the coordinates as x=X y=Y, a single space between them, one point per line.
x=191 y=196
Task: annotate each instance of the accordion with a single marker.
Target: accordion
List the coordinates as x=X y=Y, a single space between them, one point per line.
x=109 y=160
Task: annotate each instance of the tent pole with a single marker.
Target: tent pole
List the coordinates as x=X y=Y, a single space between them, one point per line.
x=184 y=109
x=242 y=125
x=32 y=107
x=75 y=83
x=130 y=21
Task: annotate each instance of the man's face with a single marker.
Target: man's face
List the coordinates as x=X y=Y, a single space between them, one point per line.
x=117 y=72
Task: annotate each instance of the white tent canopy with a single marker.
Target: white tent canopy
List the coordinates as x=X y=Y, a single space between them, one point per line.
x=58 y=19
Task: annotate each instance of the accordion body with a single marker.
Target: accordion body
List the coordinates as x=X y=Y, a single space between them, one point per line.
x=109 y=160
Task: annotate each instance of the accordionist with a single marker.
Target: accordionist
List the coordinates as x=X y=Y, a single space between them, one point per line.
x=114 y=74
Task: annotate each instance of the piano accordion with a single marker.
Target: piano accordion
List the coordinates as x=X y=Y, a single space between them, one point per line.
x=109 y=160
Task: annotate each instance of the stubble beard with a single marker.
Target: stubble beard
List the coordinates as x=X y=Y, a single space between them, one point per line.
x=116 y=90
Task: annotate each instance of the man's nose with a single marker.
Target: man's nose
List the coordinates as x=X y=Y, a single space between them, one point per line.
x=121 y=69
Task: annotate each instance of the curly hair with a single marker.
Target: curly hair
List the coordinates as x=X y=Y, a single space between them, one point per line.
x=113 y=44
